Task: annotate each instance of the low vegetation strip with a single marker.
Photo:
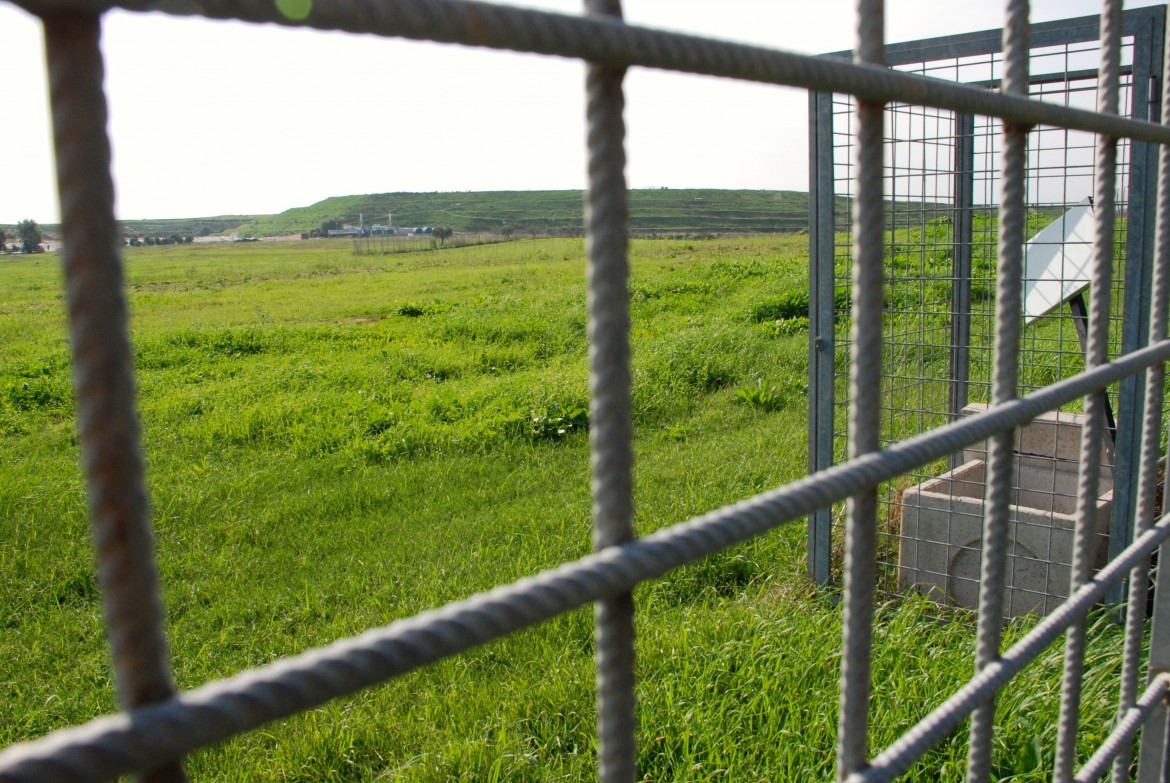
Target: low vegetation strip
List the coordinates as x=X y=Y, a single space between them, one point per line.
x=338 y=441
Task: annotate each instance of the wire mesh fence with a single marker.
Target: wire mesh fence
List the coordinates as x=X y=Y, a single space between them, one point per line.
x=387 y=244
x=941 y=190
x=906 y=217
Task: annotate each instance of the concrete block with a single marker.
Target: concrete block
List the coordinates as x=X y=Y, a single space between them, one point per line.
x=942 y=527
x=1052 y=437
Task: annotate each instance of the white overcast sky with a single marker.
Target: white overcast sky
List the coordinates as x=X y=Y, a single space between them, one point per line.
x=215 y=118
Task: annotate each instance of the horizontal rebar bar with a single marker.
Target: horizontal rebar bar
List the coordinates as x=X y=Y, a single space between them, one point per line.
x=1123 y=733
x=613 y=42
x=898 y=757
x=114 y=745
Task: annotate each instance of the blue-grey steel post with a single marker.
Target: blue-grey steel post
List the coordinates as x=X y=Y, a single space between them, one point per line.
x=962 y=217
x=1165 y=777
x=1153 y=758
x=1148 y=31
x=821 y=304
x=1152 y=740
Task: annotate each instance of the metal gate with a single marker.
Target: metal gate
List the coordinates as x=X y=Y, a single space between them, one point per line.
x=941 y=190
x=157 y=727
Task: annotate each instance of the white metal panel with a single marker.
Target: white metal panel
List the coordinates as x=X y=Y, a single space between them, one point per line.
x=1056 y=261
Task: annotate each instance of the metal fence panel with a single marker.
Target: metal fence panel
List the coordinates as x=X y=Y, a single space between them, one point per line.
x=941 y=188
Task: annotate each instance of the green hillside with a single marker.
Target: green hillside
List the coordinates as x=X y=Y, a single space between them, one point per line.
x=551 y=211
x=658 y=211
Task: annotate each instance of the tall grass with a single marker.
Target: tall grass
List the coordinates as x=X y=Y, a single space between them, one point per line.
x=336 y=442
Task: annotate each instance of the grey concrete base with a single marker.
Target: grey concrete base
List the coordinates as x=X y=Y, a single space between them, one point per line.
x=1052 y=436
x=942 y=522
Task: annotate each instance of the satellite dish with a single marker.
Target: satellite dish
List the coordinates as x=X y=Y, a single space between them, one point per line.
x=1056 y=261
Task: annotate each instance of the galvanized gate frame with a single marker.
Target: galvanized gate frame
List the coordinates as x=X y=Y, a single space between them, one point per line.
x=1147 y=27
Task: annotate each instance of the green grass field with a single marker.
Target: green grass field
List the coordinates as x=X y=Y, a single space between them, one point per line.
x=334 y=442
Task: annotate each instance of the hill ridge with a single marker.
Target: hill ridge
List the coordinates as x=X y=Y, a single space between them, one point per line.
x=556 y=211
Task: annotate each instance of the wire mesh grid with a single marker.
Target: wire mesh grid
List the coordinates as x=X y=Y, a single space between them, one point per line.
x=942 y=171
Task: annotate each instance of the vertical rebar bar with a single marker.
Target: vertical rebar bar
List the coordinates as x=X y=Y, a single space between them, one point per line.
x=103 y=374
x=1093 y=423
x=1005 y=380
x=865 y=408
x=610 y=418
x=1154 y=756
x=1148 y=471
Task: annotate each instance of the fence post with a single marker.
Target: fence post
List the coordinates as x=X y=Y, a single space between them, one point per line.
x=1153 y=758
x=961 y=236
x=821 y=318
x=1148 y=55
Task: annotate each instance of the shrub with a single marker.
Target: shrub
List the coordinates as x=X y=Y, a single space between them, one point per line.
x=411 y=310
x=767 y=398
x=791 y=304
x=789 y=327
x=555 y=422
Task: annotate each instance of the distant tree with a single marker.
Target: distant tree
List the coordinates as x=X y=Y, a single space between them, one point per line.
x=507 y=231
x=3 y=241
x=329 y=225
x=204 y=231
x=30 y=236
x=442 y=233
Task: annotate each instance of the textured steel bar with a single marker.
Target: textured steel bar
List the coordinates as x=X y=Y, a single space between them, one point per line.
x=107 y=747
x=1096 y=354
x=898 y=757
x=614 y=43
x=1148 y=474
x=1005 y=379
x=611 y=429
x=864 y=427
x=865 y=402
x=1121 y=738
x=1136 y=270
x=103 y=374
